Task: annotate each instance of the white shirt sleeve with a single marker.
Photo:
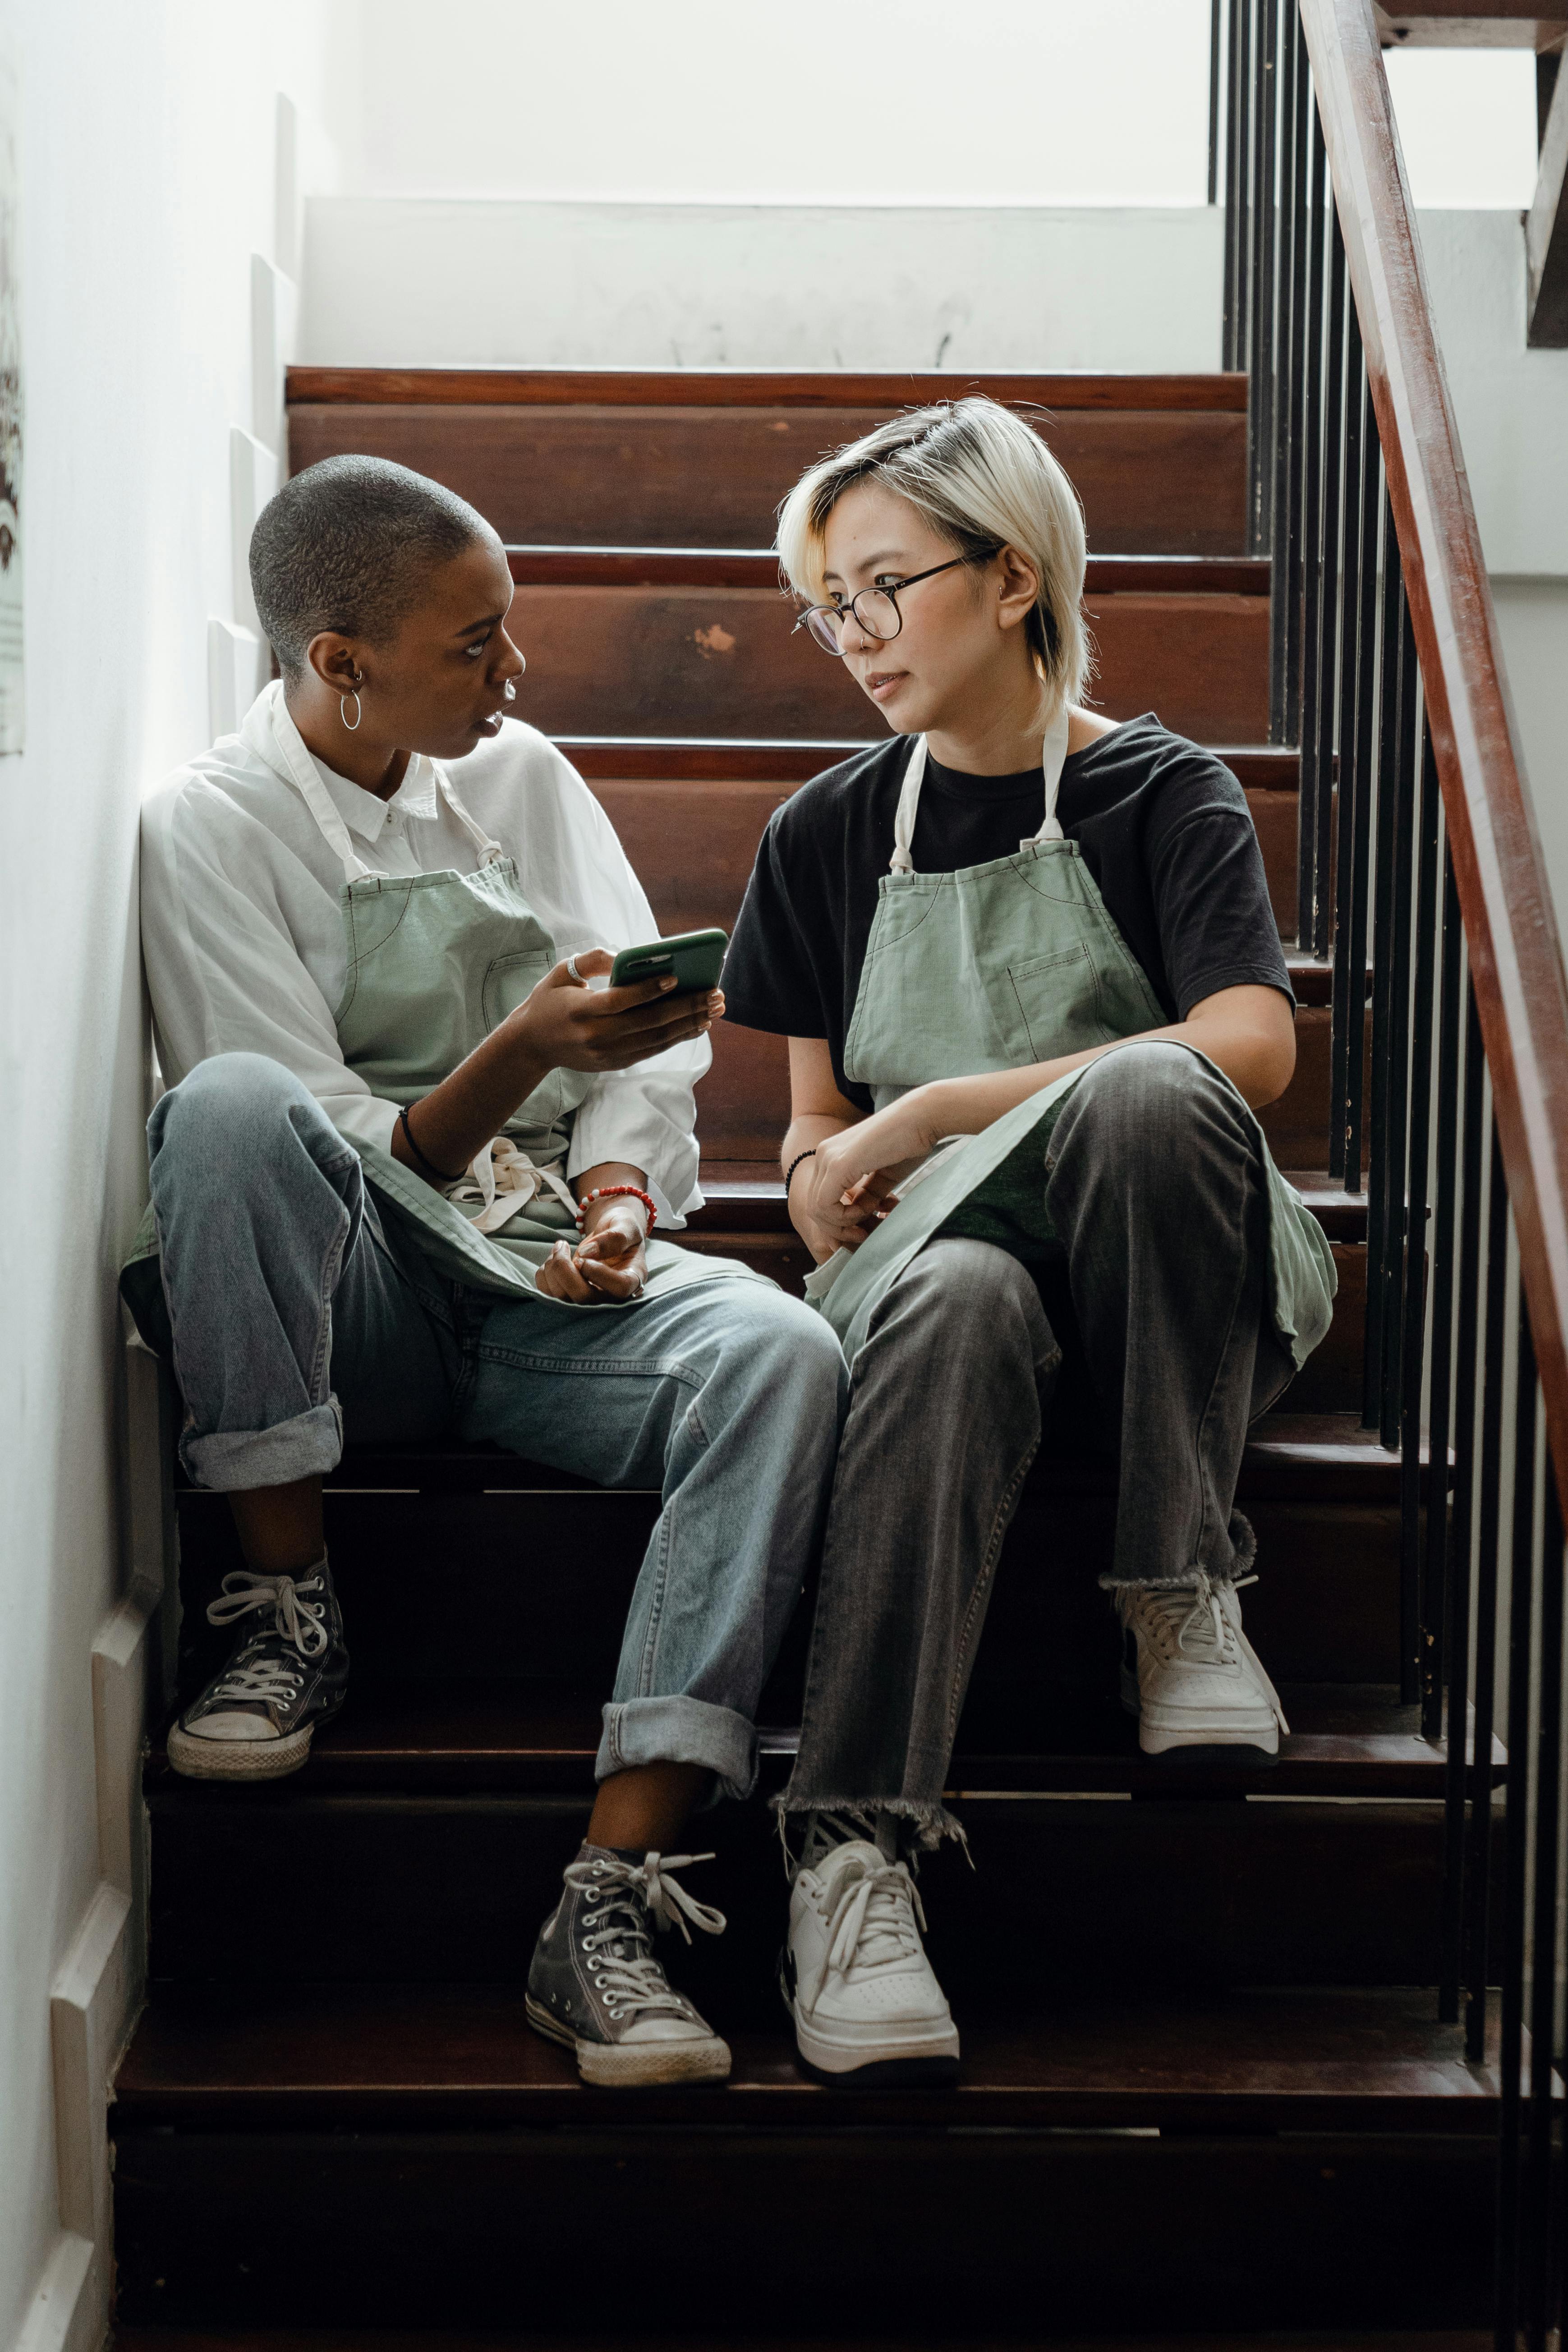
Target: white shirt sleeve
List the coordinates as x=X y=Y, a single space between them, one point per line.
x=645 y=1116
x=223 y=970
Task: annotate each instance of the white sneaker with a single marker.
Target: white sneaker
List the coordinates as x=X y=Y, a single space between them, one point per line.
x=1190 y=1675
x=854 y=1977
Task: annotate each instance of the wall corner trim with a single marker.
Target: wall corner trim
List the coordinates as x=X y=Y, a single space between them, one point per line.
x=63 y=2316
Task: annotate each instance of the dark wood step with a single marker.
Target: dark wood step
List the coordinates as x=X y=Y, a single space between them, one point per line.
x=990 y=2233
x=378 y=2057
x=659 y=816
x=183 y=2339
x=1345 y=1740
x=731 y=661
x=758 y=567
x=676 y=760
x=282 y=1883
x=703 y=459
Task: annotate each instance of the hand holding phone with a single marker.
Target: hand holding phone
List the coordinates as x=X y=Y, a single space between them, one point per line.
x=695 y=958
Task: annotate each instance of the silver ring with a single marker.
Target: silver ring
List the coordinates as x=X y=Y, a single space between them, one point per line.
x=571 y=968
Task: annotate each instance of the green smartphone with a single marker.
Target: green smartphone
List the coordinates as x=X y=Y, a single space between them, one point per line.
x=696 y=958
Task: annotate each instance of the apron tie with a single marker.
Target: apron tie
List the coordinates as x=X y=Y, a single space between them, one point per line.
x=506 y=1179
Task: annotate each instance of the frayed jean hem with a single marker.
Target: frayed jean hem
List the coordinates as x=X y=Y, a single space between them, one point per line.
x=679 y=1730
x=927 y=1825
x=307 y=1447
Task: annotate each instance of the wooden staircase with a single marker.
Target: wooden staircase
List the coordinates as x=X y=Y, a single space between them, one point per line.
x=1203 y=2087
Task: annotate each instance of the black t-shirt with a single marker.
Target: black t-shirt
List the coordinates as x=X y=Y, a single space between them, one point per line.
x=1162 y=824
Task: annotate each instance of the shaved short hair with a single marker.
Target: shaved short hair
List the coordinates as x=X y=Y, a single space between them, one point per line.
x=347 y=545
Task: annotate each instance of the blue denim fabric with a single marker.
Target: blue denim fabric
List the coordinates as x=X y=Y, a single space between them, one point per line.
x=293 y=1318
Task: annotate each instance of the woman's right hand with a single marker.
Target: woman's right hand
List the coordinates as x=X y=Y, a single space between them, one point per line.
x=568 y=1025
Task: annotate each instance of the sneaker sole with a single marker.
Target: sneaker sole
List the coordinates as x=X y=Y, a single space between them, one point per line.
x=1256 y=1741
x=619 y=2065
x=238 y=1760
x=842 y=2065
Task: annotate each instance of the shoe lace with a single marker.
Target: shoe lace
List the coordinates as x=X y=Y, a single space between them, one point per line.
x=299 y=1622
x=630 y=1893
x=875 y=1906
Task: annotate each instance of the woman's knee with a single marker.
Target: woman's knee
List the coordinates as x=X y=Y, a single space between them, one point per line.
x=967 y=1298
x=1155 y=1104
x=237 y=1116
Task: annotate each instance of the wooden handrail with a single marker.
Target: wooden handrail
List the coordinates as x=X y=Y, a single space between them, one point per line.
x=749 y=388
x=1505 y=899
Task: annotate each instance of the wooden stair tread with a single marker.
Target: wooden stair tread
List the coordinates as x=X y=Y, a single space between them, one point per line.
x=742 y=758
x=240 y=2338
x=752 y=388
x=1346 y=1740
x=212 y=2057
x=537 y=565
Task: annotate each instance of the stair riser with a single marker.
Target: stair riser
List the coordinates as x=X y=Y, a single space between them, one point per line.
x=1153 y=483
x=693 y=844
x=743 y=1105
x=446 y=1587
x=729 y=661
x=267 y=1883
x=455 y=2229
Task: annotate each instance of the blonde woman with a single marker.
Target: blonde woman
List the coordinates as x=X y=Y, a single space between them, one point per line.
x=1033 y=994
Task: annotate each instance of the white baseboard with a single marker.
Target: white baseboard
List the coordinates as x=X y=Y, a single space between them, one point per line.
x=65 y=2316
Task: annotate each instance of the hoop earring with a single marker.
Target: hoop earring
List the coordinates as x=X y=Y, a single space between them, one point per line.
x=343 y=702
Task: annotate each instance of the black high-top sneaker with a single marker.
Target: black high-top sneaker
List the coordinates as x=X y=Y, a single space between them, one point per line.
x=596 y=1985
x=286 y=1674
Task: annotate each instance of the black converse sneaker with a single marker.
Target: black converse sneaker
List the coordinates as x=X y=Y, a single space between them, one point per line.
x=596 y=1985
x=291 y=1671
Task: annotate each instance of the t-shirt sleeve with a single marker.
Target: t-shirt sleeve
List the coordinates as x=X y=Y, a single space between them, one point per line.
x=1211 y=896
x=769 y=982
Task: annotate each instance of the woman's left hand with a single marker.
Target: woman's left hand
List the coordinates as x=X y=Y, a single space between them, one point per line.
x=609 y=1263
x=855 y=1173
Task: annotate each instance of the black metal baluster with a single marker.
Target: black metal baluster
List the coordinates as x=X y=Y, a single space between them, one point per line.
x=1478 y=1886
x=1216 y=12
x=1413 y=1633
x=1456 y=1629
x=1346 y=1009
x=1238 y=225
x=1521 y=1612
x=1537 y=2212
x=1381 y=1176
x=1434 y=1632
x=1285 y=529
x=1312 y=877
x=1361 y=844
x=1265 y=231
x=1406 y=740
x=1327 y=680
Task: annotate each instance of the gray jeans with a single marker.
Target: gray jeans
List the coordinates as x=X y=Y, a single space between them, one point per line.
x=293 y=1316
x=1160 y=1198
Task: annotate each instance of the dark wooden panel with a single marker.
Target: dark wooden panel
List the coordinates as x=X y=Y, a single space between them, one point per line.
x=756 y=388
x=413 y=1888
x=469 y=2229
x=729 y=661
x=370 y=2057
x=644 y=759
x=1170 y=482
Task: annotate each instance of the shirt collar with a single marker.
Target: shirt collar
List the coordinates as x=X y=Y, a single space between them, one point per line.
x=366 y=813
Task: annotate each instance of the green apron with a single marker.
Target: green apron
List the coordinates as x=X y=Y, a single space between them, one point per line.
x=993 y=968
x=435 y=962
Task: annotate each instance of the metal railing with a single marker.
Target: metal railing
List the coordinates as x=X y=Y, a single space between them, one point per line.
x=1418 y=862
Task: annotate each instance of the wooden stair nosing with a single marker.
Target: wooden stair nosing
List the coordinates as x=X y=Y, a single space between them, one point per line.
x=517 y=1736
x=707 y=759
x=371 y=2057
x=541 y=566
x=751 y=388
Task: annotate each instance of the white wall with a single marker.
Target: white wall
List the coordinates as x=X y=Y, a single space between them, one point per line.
x=147 y=181
x=439 y=281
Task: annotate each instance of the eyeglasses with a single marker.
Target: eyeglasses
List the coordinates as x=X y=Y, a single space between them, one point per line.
x=876 y=610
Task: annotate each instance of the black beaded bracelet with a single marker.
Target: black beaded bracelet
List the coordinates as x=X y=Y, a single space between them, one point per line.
x=794 y=1163
x=434 y=1173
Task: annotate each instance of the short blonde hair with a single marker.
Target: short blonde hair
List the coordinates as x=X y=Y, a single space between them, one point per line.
x=977 y=472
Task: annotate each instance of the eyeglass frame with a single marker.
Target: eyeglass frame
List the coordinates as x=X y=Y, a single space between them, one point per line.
x=892 y=595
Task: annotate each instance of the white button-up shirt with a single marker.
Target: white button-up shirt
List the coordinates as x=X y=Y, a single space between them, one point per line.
x=243 y=935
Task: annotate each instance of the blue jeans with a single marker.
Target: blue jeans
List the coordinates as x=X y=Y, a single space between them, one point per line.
x=293 y=1318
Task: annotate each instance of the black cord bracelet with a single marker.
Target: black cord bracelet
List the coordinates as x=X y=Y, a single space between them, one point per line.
x=434 y=1173
x=794 y=1163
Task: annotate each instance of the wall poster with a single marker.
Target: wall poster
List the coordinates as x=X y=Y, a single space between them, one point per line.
x=11 y=703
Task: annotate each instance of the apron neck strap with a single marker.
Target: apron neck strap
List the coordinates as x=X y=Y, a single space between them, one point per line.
x=1053 y=761
x=489 y=851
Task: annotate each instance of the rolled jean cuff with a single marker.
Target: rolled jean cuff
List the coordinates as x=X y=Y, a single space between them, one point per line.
x=232 y=1459
x=679 y=1731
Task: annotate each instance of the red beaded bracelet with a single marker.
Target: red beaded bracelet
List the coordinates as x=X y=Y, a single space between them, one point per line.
x=609 y=1193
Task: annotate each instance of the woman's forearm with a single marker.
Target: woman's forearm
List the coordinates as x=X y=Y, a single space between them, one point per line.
x=806 y=1130
x=458 y=1119
x=1257 y=1060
